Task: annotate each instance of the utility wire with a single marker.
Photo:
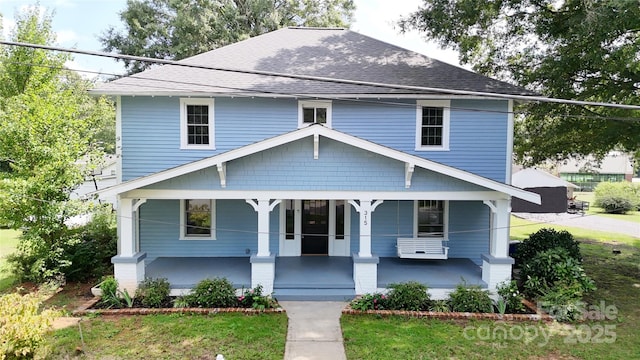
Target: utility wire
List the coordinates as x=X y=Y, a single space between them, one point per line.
x=252 y=232
x=324 y=79
x=298 y=95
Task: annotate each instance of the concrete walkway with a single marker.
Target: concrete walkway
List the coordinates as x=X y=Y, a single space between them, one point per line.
x=314 y=330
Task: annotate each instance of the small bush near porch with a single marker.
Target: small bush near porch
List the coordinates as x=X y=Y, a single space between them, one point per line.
x=176 y=336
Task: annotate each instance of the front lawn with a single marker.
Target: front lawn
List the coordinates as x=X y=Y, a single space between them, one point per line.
x=8 y=243
x=617 y=278
x=521 y=229
x=176 y=336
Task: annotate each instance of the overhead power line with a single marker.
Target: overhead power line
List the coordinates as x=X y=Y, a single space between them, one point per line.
x=325 y=79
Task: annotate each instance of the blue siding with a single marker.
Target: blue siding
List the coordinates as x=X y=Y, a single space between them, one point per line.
x=391 y=220
x=468 y=230
x=339 y=167
x=236 y=223
x=478 y=132
x=151 y=130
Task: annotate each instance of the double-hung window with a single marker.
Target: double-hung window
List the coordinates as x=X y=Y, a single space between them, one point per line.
x=314 y=112
x=197 y=219
x=431 y=218
x=197 y=124
x=432 y=124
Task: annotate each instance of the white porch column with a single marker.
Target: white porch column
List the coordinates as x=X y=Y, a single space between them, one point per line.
x=128 y=265
x=496 y=266
x=127 y=228
x=263 y=263
x=365 y=265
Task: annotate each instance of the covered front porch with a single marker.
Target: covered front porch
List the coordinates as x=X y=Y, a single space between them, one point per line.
x=316 y=277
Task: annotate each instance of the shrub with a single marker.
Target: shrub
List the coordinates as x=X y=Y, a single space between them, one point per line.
x=511 y=297
x=75 y=254
x=440 y=306
x=545 y=239
x=366 y=302
x=91 y=256
x=253 y=298
x=555 y=267
x=22 y=325
x=617 y=198
x=563 y=302
x=211 y=293
x=408 y=296
x=109 y=297
x=470 y=299
x=153 y=293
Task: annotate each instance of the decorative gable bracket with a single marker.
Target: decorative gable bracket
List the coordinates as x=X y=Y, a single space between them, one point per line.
x=222 y=172
x=408 y=173
x=316 y=146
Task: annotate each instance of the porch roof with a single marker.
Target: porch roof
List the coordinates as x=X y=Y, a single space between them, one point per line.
x=316 y=131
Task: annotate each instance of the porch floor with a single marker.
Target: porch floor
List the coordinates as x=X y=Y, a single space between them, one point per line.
x=314 y=272
x=434 y=273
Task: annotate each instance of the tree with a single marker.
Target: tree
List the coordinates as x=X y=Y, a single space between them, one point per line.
x=177 y=29
x=47 y=127
x=572 y=49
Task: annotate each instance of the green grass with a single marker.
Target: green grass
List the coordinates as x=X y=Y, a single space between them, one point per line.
x=618 y=281
x=633 y=216
x=178 y=336
x=521 y=229
x=8 y=243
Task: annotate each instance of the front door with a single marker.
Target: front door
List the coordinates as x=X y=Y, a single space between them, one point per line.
x=315 y=227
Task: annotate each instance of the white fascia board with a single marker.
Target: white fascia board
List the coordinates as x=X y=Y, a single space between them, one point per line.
x=311 y=194
x=331 y=134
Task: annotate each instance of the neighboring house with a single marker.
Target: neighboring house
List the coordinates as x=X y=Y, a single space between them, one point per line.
x=102 y=177
x=586 y=174
x=304 y=186
x=554 y=192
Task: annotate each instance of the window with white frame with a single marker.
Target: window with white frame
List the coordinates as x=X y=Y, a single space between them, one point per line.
x=197 y=219
x=196 y=124
x=314 y=112
x=432 y=124
x=431 y=218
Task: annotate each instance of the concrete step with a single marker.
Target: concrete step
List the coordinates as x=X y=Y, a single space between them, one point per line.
x=307 y=294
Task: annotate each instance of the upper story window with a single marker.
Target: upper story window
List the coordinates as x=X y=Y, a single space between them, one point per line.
x=432 y=124
x=431 y=218
x=198 y=219
x=314 y=112
x=196 y=124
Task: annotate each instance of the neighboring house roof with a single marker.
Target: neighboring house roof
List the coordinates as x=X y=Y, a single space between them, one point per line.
x=324 y=52
x=317 y=131
x=615 y=162
x=534 y=178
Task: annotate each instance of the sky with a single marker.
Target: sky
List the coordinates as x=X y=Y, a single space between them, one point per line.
x=78 y=23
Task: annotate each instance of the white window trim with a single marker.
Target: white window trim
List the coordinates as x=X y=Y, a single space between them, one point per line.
x=446 y=120
x=316 y=104
x=183 y=223
x=445 y=229
x=184 y=142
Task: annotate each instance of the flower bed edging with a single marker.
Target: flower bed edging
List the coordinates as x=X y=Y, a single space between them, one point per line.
x=538 y=316
x=85 y=309
x=454 y=315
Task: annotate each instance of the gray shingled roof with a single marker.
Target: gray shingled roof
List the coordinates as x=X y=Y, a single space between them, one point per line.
x=334 y=53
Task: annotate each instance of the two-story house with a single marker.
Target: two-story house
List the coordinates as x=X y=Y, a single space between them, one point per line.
x=297 y=159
